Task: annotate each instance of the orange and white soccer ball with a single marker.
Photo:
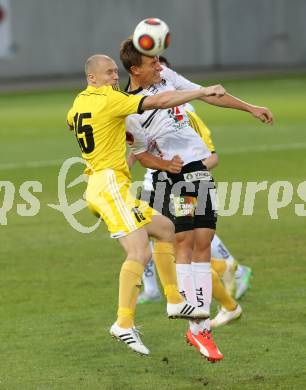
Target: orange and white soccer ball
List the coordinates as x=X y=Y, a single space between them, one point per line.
x=151 y=37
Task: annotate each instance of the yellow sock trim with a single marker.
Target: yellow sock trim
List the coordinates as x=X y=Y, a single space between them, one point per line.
x=219 y=265
x=163 y=256
x=129 y=287
x=220 y=294
x=125 y=311
x=133 y=266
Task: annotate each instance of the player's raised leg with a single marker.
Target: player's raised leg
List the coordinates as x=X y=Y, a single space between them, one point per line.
x=108 y=195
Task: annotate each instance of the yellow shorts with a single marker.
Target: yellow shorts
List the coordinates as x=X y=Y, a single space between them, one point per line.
x=108 y=194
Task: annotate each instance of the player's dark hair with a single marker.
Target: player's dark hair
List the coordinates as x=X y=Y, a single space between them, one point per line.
x=129 y=55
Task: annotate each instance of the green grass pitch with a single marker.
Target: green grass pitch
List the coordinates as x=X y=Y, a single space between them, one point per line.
x=58 y=287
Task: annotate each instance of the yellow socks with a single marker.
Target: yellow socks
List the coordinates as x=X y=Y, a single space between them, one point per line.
x=129 y=287
x=163 y=255
x=218 y=265
x=220 y=294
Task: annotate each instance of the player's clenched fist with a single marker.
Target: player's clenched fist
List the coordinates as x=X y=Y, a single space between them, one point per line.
x=262 y=113
x=214 y=90
x=175 y=165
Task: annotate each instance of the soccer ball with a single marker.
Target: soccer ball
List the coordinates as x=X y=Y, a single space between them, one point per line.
x=151 y=37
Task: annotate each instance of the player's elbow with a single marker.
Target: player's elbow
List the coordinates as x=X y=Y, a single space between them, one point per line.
x=216 y=159
x=212 y=161
x=131 y=160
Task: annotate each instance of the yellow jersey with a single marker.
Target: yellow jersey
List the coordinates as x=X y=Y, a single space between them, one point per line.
x=98 y=119
x=199 y=126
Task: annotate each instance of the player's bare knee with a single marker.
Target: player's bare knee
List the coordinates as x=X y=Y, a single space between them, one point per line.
x=167 y=230
x=140 y=253
x=161 y=228
x=202 y=245
x=183 y=255
x=202 y=250
x=184 y=246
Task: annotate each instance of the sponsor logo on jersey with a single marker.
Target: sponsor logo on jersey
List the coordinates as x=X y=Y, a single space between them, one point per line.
x=197 y=175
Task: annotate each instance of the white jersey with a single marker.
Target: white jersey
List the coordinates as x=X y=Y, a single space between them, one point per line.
x=189 y=107
x=166 y=132
x=148 y=179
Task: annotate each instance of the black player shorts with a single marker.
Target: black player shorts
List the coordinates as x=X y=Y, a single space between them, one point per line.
x=187 y=198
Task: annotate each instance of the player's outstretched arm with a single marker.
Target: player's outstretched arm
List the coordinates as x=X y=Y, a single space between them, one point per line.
x=148 y=160
x=229 y=101
x=176 y=98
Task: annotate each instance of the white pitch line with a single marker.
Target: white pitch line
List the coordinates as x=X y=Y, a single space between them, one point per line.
x=30 y=164
x=236 y=150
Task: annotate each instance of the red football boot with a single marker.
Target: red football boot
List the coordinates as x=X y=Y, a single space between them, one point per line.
x=204 y=342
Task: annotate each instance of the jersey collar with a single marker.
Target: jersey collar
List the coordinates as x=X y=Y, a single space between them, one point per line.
x=91 y=88
x=126 y=89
